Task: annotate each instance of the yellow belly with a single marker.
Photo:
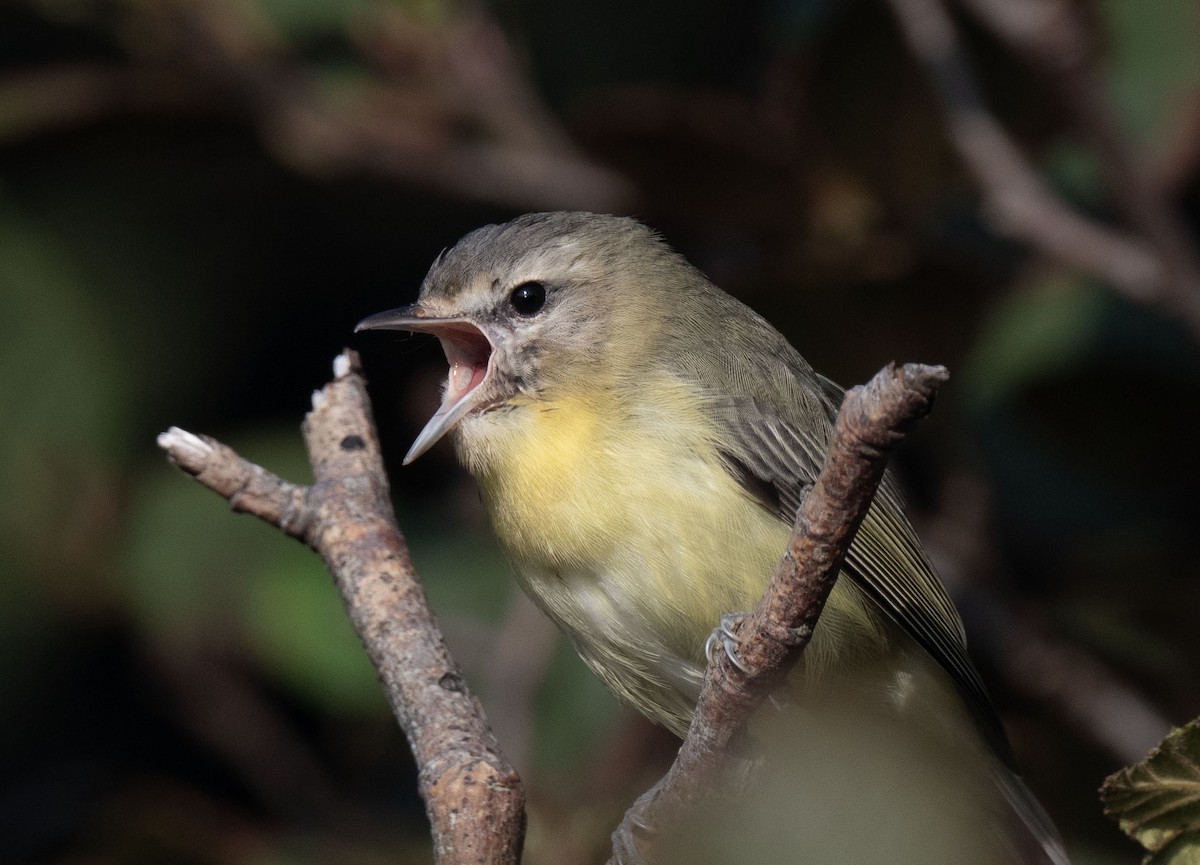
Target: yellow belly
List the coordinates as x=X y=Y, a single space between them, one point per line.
x=633 y=537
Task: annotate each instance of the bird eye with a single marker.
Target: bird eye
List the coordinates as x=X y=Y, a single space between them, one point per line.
x=528 y=297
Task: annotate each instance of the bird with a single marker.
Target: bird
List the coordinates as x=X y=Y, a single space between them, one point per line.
x=642 y=442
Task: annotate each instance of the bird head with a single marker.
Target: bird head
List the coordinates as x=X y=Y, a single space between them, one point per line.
x=547 y=301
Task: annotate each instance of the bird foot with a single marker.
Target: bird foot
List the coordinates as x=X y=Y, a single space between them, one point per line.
x=625 y=837
x=725 y=637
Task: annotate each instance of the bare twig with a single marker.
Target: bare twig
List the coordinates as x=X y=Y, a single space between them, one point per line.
x=462 y=117
x=1051 y=36
x=872 y=420
x=1081 y=689
x=1156 y=266
x=472 y=795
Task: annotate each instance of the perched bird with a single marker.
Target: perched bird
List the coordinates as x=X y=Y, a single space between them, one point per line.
x=642 y=442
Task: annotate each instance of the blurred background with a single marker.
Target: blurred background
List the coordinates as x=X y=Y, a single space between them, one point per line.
x=199 y=199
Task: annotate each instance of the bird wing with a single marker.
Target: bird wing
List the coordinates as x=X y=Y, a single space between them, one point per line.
x=776 y=459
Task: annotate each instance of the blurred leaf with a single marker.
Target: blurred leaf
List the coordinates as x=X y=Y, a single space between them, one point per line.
x=189 y=560
x=1157 y=802
x=1074 y=169
x=573 y=710
x=1033 y=335
x=66 y=397
x=298 y=20
x=65 y=390
x=463 y=573
x=1154 y=64
x=301 y=19
x=301 y=633
x=199 y=575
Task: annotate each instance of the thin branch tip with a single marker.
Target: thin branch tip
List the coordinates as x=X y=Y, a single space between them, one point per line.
x=935 y=371
x=924 y=377
x=186 y=449
x=346 y=364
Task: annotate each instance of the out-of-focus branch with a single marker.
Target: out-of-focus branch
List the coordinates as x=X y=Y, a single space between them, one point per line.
x=473 y=796
x=463 y=121
x=451 y=110
x=872 y=420
x=1089 y=695
x=1155 y=265
x=1049 y=34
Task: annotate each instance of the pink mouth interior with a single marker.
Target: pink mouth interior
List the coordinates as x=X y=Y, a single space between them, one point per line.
x=467 y=351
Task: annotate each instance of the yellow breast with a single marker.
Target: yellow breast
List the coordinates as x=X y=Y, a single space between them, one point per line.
x=622 y=524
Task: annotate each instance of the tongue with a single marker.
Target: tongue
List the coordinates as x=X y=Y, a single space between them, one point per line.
x=463 y=378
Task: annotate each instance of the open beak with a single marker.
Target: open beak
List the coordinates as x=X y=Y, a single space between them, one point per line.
x=468 y=352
